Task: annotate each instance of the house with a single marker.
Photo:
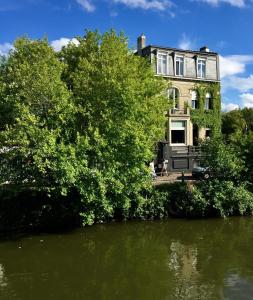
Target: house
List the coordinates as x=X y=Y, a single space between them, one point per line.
x=193 y=100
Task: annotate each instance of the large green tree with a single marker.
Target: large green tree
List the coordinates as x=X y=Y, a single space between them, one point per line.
x=83 y=120
x=237 y=127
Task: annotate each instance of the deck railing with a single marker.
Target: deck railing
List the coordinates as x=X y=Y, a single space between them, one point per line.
x=185 y=150
x=176 y=111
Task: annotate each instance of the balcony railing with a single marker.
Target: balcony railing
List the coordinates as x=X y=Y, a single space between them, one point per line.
x=185 y=151
x=179 y=112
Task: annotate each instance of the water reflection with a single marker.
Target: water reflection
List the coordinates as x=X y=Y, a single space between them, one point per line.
x=2 y=278
x=176 y=259
x=237 y=288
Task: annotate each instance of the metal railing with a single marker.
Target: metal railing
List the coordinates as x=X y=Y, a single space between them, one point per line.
x=185 y=151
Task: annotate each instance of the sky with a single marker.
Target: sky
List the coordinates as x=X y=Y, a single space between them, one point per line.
x=225 y=26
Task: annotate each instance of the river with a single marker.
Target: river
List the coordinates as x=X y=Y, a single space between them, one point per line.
x=172 y=259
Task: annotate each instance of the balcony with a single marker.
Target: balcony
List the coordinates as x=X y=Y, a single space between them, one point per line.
x=179 y=112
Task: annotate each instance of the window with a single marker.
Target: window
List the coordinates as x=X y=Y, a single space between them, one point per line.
x=162 y=63
x=178 y=132
x=179 y=65
x=208 y=133
x=173 y=95
x=201 y=68
x=194 y=100
x=208 y=101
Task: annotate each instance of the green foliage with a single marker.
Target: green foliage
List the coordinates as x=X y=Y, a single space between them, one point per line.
x=237 y=129
x=237 y=123
x=208 y=118
x=233 y=124
x=83 y=120
x=225 y=198
x=37 y=113
x=77 y=131
x=223 y=160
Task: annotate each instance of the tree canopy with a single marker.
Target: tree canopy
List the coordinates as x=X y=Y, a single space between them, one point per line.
x=82 y=120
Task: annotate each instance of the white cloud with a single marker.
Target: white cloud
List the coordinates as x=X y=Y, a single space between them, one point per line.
x=236 y=3
x=234 y=64
x=186 y=43
x=247 y=99
x=5 y=48
x=87 y=5
x=58 y=44
x=229 y=106
x=242 y=84
x=160 y=5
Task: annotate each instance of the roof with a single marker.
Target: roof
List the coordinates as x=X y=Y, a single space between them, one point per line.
x=180 y=50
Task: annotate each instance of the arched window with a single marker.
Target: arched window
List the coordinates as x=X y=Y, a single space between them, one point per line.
x=173 y=95
x=194 y=99
x=208 y=101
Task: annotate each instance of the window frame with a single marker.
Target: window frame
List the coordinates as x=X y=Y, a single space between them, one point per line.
x=179 y=129
x=175 y=99
x=208 y=97
x=195 y=100
x=167 y=62
x=201 y=59
x=179 y=56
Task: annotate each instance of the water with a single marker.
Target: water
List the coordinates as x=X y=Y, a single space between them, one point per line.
x=174 y=259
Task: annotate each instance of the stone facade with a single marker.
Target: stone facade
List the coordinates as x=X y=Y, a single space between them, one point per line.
x=184 y=69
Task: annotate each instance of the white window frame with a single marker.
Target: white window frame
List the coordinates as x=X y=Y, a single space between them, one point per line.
x=194 y=97
x=200 y=75
x=174 y=97
x=167 y=62
x=209 y=98
x=175 y=63
x=179 y=128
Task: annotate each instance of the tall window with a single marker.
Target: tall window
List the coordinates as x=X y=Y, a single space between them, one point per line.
x=208 y=101
x=173 y=95
x=178 y=132
x=194 y=99
x=201 y=68
x=162 y=63
x=179 y=65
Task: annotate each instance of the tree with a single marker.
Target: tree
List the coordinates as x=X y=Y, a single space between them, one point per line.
x=223 y=160
x=120 y=107
x=84 y=120
x=233 y=124
x=238 y=131
x=247 y=114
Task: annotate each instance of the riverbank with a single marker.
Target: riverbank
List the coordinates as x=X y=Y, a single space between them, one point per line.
x=29 y=211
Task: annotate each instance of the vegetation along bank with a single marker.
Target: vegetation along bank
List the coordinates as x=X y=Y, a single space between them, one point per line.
x=77 y=133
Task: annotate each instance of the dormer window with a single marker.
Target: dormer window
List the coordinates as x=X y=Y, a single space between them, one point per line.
x=179 y=64
x=201 y=68
x=162 y=63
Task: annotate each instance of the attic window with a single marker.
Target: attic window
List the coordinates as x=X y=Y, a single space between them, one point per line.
x=179 y=63
x=201 y=68
x=162 y=63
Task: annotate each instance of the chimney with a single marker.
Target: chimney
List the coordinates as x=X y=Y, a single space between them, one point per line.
x=141 y=43
x=204 y=49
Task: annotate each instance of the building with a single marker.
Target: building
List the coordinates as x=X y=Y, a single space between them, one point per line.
x=193 y=99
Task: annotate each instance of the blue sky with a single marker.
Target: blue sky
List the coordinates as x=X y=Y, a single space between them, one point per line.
x=224 y=25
